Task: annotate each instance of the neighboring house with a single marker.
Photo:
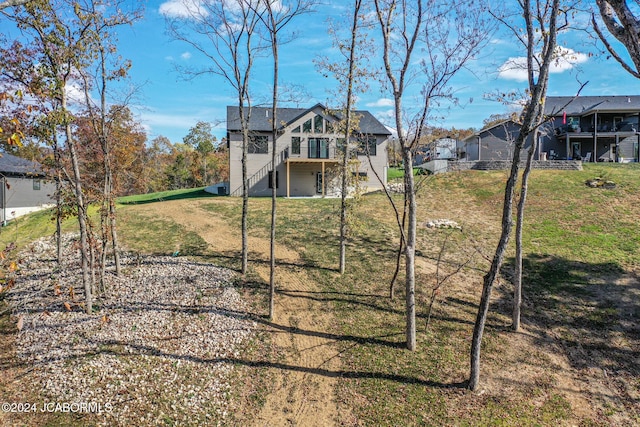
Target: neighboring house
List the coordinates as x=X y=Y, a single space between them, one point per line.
x=23 y=187
x=440 y=149
x=593 y=128
x=308 y=152
x=493 y=143
x=588 y=128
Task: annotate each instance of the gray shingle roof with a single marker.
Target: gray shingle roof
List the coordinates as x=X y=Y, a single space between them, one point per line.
x=261 y=119
x=556 y=105
x=10 y=164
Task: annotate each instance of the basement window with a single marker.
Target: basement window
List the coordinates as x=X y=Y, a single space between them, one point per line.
x=271 y=177
x=36 y=184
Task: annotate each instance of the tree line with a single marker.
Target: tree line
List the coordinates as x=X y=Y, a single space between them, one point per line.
x=140 y=165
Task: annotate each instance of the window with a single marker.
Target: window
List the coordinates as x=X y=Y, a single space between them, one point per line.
x=296 y=129
x=295 y=145
x=306 y=126
x=340 y=144
x=317 y=124
x=271 y=177
x=367 y=145
x=36 y=184
x=318 y=148
x=258 y=144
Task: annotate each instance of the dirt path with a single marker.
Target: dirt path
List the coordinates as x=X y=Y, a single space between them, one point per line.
x=304 y=388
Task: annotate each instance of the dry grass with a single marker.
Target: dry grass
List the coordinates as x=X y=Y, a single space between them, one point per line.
x=575 y=363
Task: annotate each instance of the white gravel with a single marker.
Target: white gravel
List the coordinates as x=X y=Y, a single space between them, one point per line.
x=159 y=347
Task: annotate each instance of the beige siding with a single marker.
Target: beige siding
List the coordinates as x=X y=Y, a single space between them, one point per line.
x=303 y=176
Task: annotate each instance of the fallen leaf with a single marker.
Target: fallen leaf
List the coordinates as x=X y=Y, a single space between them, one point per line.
x=20 y=322
x=67 y=306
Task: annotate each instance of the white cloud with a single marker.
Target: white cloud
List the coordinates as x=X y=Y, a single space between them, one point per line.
x=186 y=56
x=200 y=8
x=75 y=93
x=515 y=68
x=567 y=59
x=382 y=102
x=182 y=8
x=387 y=116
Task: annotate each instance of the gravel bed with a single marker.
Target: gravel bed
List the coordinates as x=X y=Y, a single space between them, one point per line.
x=159 y=347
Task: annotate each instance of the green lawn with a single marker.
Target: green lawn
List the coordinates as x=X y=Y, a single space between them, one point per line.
x=581 y=246
x=188 y=193
x=398 y=173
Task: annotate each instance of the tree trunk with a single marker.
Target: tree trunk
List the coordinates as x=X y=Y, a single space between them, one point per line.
x=496 y=264
x=410 y=249
x=274 y=190
x=399 y=254
x=347 y=137
x=245 y=184
x=114 y=236
x=624 y=25
x=82 y=214
x=58 y=165
x=531 y=119
x=517 y=292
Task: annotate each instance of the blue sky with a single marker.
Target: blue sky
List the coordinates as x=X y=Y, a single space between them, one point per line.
x=168 y=105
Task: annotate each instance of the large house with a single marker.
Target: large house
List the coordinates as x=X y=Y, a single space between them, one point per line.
x=308 y=151
x=23 y=187
x=587 y=128
x=593 y=128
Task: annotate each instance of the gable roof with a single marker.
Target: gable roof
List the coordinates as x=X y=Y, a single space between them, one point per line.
x=580 y=105
x=508 y=124
x=260 y=119
x=10 y=164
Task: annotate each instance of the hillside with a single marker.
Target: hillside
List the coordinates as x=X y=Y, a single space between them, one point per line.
x=334 y=353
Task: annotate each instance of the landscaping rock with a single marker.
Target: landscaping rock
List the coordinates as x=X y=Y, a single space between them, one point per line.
x=443 y=224
x=162 y=340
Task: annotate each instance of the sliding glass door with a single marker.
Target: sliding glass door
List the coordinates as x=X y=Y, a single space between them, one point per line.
x=318 y=148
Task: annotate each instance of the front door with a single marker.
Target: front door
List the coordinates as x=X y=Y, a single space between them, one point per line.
x=319 y=182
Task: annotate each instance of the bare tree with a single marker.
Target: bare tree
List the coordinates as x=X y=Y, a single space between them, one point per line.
x=624 y=25
x=395 y=18
x=541 y=22
x=276 y=16
x=103 y=20
x=350 y=72
x=347 y=135
x=440 y=37
x=225 y=33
